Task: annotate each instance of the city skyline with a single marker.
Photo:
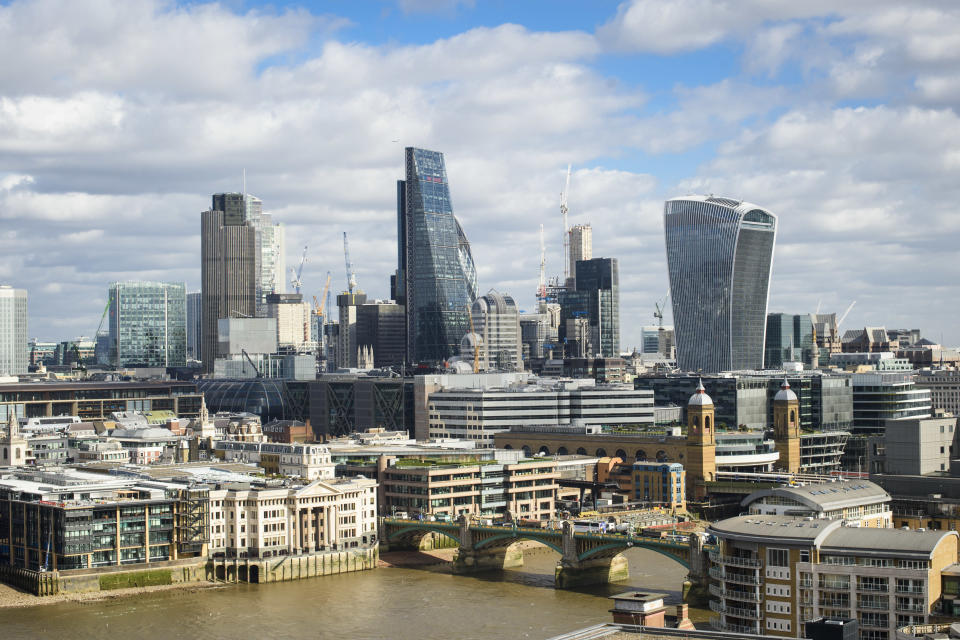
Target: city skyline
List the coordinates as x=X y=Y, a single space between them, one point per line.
x=814 y=128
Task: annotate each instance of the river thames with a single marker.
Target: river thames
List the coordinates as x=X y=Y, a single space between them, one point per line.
x=385 y=603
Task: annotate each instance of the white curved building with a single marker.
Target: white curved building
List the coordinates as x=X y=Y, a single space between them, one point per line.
x=496 y=321
x=719 y=256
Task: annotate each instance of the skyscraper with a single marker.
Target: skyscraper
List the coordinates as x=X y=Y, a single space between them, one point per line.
x=497 y=322
x=148 y=324
x=581 y=248
x=789 y=338
x=228 y=269
x=14 y=354
x=270 y=241
x=596 y=297
x=436 y=274
x=194 y=324
x=719 y=257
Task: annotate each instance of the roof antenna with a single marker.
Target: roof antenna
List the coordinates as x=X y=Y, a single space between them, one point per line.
x=244 y=184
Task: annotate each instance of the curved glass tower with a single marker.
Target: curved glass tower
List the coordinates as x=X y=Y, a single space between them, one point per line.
x=437 y=276
x=719 y=255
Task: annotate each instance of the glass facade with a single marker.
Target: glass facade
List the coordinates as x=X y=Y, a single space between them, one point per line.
x=269 y=398
x=789 y=339
x=599 y=279
x=439 y=278
x=148 y=324
x=14 y=352
x=719 y=257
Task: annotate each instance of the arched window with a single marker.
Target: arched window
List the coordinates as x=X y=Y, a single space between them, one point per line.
x=793 y=416
x=581 y=451
x=696 y=421
x=641 y=455
x=621 y=454
x=706 y=423
x=601 y=452
x=508 y=446
x=661 y=456
x=526 y=451
x=562 y=451
x=545 y=450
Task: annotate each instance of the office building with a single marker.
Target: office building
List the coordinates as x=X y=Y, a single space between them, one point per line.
x=944 y=387
x=657 y=340
x=719 y=258
x=580 y=238
x=148 y=324
x=497 y=323
x=526 y=489
x=253 y=335
x=660 y=483
x=771 y=573
x=540 y=332
x=270 y=245
x=599 y=279
x=14 y=354
x=381 y=326
x=879 y=396
x=348 y=348
x=789 y=339
x=228 y=269
x=194 y=324
x=293 y=319
x=436 y=276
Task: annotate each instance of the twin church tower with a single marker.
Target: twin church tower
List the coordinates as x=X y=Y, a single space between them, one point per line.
x=701 y=462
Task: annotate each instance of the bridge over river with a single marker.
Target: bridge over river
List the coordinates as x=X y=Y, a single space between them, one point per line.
x=586 y=558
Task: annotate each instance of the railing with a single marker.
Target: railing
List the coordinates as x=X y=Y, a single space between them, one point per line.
x=805 y=584
x=720 y=574
x=911 y=608
x=909 y=589
x=747 y=596
x=867 y=586
x=739 y=612
x=717 y=623
x=750 y=563
x=835 y=586
x=879 y=606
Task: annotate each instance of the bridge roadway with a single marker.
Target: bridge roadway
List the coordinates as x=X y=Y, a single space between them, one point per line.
x=586 y=558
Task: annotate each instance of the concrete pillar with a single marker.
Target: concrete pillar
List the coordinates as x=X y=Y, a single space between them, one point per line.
x=332 y=522
x=311 y=530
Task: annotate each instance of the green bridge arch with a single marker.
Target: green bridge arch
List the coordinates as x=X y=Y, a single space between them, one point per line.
x=517 y=538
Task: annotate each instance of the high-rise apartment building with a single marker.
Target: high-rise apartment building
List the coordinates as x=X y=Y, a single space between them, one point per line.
x=580 y=238
x=228 y=269
x=148 y=324
x=599 y=279
x=497 y=322
x=194 y=324
x=14 y=353
x=437 y=279
x=789 y=339
x=719 y=257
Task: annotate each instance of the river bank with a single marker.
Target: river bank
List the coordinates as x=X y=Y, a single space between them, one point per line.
x=11 y=597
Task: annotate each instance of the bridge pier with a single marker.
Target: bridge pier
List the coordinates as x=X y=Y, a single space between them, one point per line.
x=486 y=559
x=696 y=586
x=593 y=571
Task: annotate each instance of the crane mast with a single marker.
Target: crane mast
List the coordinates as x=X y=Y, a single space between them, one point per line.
x=296 y=279
x=566 y=230
x=542 y=283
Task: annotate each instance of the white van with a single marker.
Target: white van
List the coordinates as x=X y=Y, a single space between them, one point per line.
x=588 y=526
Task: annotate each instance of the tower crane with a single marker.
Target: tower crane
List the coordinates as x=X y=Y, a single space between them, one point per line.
x=296 y=279
x=321 y=308
x=351 y=275
x=660 y=306
x=566 y=232
x=542 y=283
x=844 y=316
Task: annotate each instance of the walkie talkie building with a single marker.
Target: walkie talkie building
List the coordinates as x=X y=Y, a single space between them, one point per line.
x=437 y=280
x=719 y=256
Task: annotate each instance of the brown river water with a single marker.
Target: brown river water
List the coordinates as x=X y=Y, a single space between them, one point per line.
x=385 y=603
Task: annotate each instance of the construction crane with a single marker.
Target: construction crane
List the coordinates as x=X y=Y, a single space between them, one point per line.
x=321 y=308
x=542 y=283
x=351 y=275
x=566 y=232
x=296 y=279
x=844 y=316
x=660 y=306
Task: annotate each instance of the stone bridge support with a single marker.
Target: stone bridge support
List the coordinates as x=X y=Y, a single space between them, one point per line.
x=572 y=571
x=470 y=559
x=696 y=586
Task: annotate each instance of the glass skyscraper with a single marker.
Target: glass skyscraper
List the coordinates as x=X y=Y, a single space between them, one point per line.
x=599 y=279
x=719 y=257
x=789 y=338
x=14 y=353
x=148 y=324
x=437 y=280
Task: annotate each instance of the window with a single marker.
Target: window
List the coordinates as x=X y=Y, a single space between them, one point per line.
x=778 y=557
x=804 y=556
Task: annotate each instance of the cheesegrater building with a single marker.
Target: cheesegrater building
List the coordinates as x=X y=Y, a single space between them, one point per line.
x=436 y=277
x=719 y=256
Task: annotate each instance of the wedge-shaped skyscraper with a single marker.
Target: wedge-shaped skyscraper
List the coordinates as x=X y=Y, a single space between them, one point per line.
x=719 y=255
x=436 y=277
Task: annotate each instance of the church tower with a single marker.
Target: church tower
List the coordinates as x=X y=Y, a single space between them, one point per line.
x=701 y=462
x=13 y=447
x=786 y=428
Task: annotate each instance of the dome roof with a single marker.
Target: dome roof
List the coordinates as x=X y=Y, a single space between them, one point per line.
x=785 y=394
x=700 y=398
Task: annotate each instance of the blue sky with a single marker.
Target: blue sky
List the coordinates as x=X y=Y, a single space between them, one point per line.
x=118 y=118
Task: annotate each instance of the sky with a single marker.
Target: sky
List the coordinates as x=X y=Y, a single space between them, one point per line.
x=119 y=119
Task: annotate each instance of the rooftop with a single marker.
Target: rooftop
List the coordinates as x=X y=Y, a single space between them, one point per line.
x=828 y=496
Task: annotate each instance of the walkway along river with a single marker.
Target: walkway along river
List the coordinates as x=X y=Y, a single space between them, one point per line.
x=382 y=604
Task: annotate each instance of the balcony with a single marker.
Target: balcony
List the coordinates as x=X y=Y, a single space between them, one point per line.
x=717 y=622
x=911 y=608
x=720 y=574
x=746 y=596
x=805 y=584
x=738 y=612
x=906 y=588
x=877 y=606
x=733 y=561
x=867 y=586
x=834 y=586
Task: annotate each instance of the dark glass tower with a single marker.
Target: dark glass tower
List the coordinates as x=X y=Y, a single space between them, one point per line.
x=789 y=338
x=719 y=256
x=436 y=279
x=599 y=279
